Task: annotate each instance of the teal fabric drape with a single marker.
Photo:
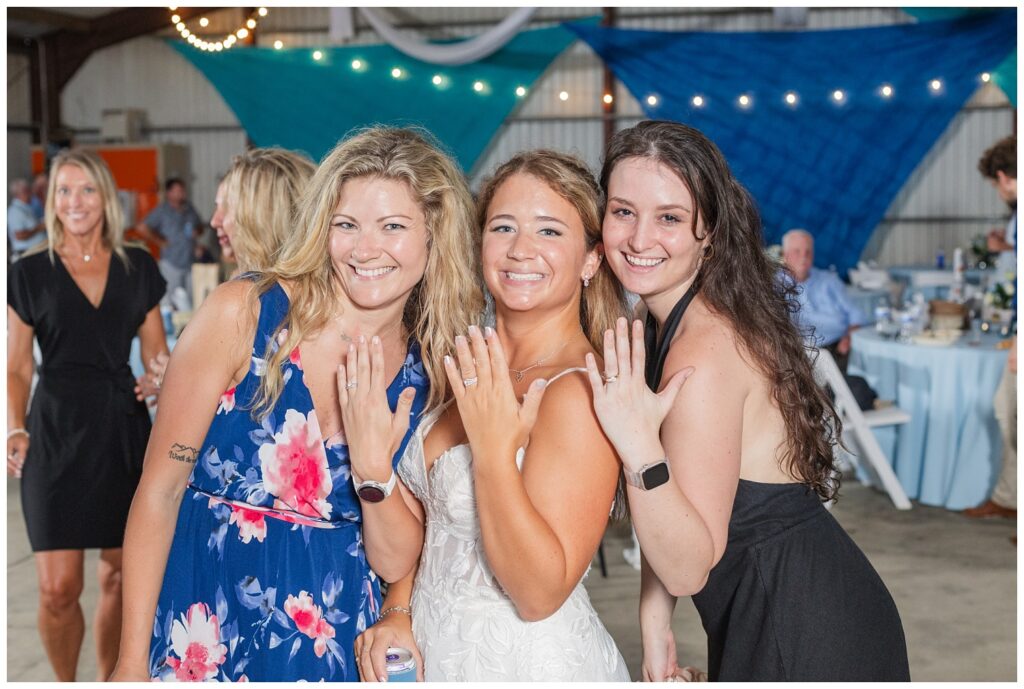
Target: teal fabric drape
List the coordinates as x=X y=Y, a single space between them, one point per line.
x=287 y=98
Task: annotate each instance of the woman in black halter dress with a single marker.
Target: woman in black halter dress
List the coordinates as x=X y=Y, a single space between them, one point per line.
x=726 y=487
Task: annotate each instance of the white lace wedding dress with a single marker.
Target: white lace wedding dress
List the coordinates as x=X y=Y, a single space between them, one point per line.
x=465 y=625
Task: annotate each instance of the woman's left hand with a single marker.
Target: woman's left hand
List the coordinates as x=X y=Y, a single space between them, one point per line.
x=480 y=382
x=630 y=413
x=373 y=433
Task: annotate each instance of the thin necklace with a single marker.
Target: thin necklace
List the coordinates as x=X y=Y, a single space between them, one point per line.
x=521 y=372
x=349 y=338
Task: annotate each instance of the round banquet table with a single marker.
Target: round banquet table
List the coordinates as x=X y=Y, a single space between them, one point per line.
x=949 y=453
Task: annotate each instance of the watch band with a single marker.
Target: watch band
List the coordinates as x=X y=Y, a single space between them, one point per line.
x=375 y=491
x=649 y=476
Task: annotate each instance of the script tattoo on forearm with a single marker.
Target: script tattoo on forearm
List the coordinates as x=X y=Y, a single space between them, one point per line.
x=183 y=453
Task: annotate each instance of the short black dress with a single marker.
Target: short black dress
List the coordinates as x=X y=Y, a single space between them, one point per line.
x=793 y=598
x=88 y=432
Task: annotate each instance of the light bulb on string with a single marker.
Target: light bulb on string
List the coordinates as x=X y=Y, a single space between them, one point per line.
x=396 y=73
x=478 y=86
x=204 y=22
x=564 y=96
x=357 y=64
x=262 y=11
x=180 y=26
x=242 y=33
x=175 y=19
x=887 y=91
x=520 y=91
x=791 y=98
x=251 y=23
x=278 y=45
x=744 y=101
x=607 y=99
x=652 y=100
x=698 y=101
x=986 y=77
x=185 y=33
x=436 y=80
x=935 y=85
x=317 y=55
x=838 y=96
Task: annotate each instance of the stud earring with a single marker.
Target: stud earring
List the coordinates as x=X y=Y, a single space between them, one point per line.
x=586 y=282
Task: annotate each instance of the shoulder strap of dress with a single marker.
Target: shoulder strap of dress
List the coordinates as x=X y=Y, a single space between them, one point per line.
x=657 y=348
x=567 y=371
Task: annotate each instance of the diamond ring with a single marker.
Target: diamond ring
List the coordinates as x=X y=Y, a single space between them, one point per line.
x=611 y=378
x=351 y=385
x=469 y=381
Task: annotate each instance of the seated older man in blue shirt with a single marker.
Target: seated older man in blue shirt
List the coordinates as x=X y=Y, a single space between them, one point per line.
x=827 y=314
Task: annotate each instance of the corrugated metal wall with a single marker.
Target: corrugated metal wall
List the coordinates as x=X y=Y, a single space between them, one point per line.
x=19 y=118
x=943 y=205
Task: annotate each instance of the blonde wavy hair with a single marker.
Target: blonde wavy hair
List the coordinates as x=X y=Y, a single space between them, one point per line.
x=604 y=300
x=263 y=187
x=446 y=301
x=113 y=215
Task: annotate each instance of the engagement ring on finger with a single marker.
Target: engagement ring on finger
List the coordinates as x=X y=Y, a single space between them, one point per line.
x=611 y=379
x=351 y=385
x=469 y=381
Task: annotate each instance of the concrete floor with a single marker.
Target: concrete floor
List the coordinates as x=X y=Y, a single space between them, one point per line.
x=953 y=579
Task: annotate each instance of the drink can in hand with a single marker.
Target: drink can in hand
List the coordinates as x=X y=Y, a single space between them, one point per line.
x=401 y=665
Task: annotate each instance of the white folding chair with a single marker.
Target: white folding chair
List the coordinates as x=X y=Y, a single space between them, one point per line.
x=857 y=425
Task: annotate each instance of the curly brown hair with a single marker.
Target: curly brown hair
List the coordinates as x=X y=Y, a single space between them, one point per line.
x=1000 y=157
x=739 y=282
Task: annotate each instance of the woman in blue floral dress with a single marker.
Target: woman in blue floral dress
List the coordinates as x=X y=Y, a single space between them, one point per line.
x=283 y=485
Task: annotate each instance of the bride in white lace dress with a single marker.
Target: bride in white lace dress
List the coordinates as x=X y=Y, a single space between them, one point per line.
x=510 y=532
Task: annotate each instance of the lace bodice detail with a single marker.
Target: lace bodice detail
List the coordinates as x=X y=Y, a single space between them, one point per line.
x=465 y=625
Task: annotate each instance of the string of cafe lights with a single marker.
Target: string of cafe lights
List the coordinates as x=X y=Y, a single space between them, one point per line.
x=745 y=100
x=225 y=43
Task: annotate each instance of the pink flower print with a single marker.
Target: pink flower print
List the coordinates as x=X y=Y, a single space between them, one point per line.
x=227 y=401
x=309 y=620
x=295 y=466
x=295 y=358
x=250 y=523
x=195 y=639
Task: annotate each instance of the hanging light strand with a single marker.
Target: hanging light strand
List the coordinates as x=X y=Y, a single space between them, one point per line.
x=228 y=41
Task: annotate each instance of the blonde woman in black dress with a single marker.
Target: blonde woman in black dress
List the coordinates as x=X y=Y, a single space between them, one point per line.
x=79 y=450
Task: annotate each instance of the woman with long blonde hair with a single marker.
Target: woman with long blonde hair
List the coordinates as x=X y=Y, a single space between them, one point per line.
x=256 y=204
x=83 y=295
x=275 y=441
x=254 y=212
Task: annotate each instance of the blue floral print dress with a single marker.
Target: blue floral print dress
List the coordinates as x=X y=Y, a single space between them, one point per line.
x=267 y=579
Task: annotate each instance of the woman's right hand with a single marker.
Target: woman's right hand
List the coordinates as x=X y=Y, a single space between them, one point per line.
x=17 y=450
x=659 y=662
x=371 y=647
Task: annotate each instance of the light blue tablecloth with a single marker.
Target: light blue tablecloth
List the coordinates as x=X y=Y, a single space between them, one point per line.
x=950 y=452
x=905 y=274
x=867 y=299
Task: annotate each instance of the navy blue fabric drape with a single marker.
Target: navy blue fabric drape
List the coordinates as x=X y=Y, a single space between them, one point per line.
x=830 y=166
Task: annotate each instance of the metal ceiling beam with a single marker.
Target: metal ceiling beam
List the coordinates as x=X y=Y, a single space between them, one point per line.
x=58 y=20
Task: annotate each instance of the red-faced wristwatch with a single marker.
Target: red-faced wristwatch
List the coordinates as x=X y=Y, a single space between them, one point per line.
x=375 y=491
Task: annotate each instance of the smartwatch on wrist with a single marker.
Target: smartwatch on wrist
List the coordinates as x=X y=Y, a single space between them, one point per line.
x=375 y=491
x=650 y=475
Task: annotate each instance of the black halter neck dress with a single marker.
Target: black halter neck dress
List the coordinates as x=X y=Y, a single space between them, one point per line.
x=793 y=598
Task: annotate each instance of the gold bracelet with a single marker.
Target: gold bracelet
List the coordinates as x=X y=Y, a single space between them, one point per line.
x=394 y=608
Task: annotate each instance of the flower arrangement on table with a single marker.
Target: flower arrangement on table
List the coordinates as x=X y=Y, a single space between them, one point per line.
x=1001 y=298
x=983 y=258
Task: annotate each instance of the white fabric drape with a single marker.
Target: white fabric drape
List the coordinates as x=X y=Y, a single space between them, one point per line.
x=461 y=53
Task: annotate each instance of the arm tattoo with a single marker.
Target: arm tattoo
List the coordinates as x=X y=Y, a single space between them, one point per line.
x=183 y=453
